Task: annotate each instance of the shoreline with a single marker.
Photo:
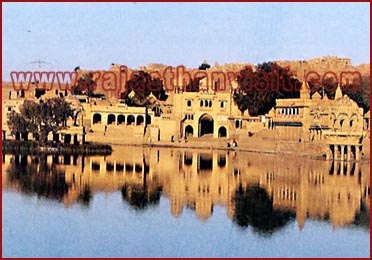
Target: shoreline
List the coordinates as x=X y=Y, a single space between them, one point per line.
x=33 y=147
x=236 y=149
x=97 y=148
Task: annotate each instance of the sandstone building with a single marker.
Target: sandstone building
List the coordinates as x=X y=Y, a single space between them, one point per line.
x=311 y=126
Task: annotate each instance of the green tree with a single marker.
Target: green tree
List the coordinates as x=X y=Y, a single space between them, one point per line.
x=142 y=84
x=258 y=89
x=17 y=123
x=41 y=118
x=194 y=85
x=85 y=85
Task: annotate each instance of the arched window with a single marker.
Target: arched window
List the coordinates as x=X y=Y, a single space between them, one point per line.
x=140 y=120
x=189 y=131
x=97 y=118
x=222 y=132
x=130 y=119
x=237 y=124
x=110 y=119
x=353 y=123
x=121 y=119
x=189 y=103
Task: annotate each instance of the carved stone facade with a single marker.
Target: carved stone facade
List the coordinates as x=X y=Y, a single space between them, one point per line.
x=332 y=129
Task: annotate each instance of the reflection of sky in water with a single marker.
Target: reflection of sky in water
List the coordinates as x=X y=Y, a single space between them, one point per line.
x=110 y=228
x=92 y=215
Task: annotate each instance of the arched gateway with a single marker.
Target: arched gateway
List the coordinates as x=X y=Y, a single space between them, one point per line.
x=206 y=123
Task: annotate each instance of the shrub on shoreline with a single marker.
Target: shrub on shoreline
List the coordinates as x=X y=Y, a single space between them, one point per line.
x=32 y=147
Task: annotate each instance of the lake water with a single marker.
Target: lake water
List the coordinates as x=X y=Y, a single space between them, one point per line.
x=151 y=202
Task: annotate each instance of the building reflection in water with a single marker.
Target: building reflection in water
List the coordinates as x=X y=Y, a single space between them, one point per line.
x=262 y=191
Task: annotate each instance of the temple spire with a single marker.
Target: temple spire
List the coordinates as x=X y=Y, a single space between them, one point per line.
x=338 y=92
x=305 y=90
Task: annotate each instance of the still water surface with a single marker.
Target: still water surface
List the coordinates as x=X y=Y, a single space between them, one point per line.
x=150 y=202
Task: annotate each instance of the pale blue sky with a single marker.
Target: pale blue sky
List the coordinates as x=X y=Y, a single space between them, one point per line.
x=94 y=35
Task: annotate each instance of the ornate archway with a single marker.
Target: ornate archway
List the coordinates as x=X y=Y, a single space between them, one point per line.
x=206 y=123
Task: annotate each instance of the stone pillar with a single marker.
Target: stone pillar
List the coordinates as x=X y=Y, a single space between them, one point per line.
x=335 y=152
x=328 y=152
x=342 y=152
x=348 y=155
x=357 y=153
